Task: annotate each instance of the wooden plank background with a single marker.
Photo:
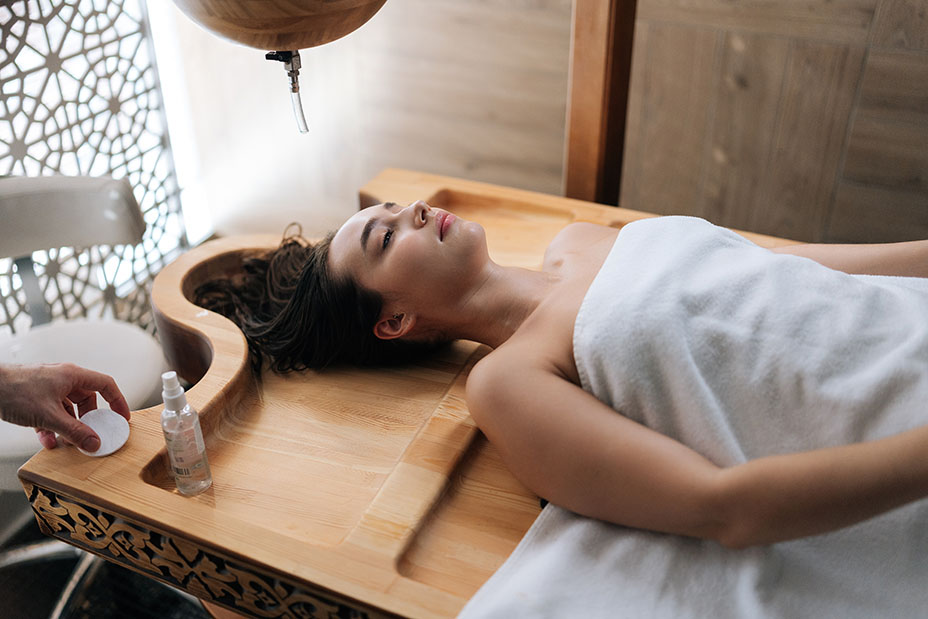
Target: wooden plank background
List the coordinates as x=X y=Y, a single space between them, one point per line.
x=804 y=119
x=475 y=89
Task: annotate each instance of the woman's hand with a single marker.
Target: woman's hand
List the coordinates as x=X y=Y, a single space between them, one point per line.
x=43 y=397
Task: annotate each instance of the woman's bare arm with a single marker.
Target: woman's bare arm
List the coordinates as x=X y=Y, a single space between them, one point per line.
x=572 y=449
x=908 y=258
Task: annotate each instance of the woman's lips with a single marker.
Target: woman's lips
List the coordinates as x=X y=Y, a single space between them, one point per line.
x=444 y=221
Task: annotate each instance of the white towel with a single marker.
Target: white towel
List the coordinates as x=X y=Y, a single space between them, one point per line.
x=739 y=353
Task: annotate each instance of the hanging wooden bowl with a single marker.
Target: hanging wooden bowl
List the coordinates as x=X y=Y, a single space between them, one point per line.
x=280 y=24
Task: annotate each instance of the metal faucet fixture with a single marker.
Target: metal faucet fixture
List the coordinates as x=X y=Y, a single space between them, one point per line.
x=291 y=60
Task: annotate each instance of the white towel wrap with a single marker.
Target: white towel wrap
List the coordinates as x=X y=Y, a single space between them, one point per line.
x=737 y=352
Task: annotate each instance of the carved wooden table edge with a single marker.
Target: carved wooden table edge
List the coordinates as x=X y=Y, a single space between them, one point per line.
x=204 y=572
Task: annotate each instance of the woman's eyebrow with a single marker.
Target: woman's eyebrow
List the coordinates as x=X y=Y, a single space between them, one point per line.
x=369 y=226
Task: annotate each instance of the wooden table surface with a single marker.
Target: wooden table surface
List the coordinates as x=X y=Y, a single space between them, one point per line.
x=368 y=489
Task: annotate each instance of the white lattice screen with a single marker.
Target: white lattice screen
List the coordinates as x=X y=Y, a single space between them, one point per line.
x=79 y=95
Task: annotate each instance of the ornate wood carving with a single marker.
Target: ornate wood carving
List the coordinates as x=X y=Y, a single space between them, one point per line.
x=180 y=563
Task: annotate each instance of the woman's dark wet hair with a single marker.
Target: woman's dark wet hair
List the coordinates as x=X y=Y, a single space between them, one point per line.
x=297 y=314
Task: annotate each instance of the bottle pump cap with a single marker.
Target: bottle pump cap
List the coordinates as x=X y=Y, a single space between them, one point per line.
x=172 y=392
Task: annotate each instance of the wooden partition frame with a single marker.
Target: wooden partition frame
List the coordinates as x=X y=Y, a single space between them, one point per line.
x=602 y=34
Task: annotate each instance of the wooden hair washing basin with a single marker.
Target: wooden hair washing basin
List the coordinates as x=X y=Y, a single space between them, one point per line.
x=363 y=488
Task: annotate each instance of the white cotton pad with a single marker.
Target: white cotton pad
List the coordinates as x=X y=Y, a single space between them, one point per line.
x=110 y=426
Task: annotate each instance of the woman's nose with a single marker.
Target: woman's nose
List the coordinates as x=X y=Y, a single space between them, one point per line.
x=419 y=210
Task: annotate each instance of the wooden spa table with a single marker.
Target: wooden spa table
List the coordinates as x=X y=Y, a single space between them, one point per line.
x=361 y=489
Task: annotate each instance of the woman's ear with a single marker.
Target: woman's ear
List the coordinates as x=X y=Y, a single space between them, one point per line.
x=392 y=327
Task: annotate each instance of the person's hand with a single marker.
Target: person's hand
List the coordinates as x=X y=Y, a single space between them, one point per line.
x=43 y=397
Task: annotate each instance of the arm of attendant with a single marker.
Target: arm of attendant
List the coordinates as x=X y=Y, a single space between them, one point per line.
x=570 y=448
x=909 y=259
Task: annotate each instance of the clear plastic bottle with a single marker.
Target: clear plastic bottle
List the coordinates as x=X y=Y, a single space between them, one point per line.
x=184 y=438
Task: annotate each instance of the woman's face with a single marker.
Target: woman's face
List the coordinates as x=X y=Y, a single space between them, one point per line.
x=420 y=259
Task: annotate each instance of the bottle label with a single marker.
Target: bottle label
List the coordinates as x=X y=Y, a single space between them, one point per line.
x=186 y=450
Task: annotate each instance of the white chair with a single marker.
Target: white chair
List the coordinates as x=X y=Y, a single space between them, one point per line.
x=59 y=211
x=48 y=212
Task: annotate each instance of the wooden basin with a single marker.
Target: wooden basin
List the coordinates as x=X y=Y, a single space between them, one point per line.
x=366 y=489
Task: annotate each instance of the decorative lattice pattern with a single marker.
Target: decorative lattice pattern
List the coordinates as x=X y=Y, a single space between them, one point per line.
x=79 y=95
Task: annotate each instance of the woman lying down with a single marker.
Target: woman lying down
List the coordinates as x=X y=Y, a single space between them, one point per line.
x=671 y=376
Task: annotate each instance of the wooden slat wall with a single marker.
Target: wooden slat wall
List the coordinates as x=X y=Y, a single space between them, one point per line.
x=804 y=119
x=475 y=89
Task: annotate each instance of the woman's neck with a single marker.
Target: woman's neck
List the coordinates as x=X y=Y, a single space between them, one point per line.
x=499 y=304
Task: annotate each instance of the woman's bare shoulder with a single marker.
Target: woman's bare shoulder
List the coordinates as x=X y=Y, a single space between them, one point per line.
x=530 y=352
x=493 y=381
x=578 y=240
x=508 y=361
x=580 y=234
x=542 y=346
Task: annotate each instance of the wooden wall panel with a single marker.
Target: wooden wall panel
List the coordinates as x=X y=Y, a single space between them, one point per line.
x=875 y=214
x=902 y=24
x=833 y=20
x=883 y=191
x=671 y=130
x=883 y=152
x=805 y=119
x=633 y=146
x=895 y=86
x=815 y=108
x=743 y=126
x=475 y=89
